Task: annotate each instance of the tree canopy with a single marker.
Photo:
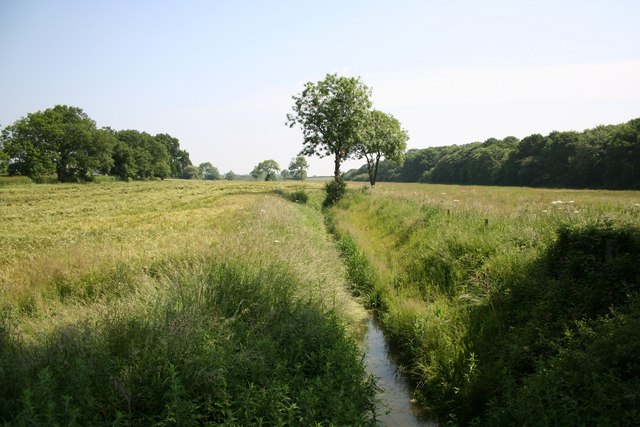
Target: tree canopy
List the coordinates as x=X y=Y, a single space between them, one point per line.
x=298 y=167
x=381 y=136
x=267 y=169
x=330 y=113
x=602 y=157
x=208 y=171
x=63 y=140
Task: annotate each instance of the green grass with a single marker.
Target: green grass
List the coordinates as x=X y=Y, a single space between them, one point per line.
x=175 y=303
x=486 y=291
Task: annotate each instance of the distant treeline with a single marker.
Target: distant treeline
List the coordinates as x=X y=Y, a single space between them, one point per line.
x=603 y=157
x=65 y=142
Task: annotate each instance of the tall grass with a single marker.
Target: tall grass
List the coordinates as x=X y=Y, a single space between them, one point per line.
x=483 y=291
x=174 y=303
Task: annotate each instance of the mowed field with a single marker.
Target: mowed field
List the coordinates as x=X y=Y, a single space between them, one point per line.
x=208 y=302
x=175 y=302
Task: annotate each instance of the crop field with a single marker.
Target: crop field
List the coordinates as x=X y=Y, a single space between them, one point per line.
x=174 y=302
x=226 y=303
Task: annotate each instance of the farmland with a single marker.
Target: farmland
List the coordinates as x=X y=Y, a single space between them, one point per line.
x=190 y=302
x=174 y=303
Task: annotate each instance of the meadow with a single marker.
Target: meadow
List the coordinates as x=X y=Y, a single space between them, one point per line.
x=229 y=303
x=175 y=303
x=507 y=306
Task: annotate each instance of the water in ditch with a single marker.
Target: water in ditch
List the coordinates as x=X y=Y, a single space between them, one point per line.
x=396 y=408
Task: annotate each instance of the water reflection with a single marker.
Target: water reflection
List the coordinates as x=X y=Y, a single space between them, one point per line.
x=396 y=392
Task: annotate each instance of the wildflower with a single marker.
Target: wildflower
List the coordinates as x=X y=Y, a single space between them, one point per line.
x=576 y=211
x=443 y=194
x=545 y=211
x=557 y=202
x=455 y=200
x=570 y=201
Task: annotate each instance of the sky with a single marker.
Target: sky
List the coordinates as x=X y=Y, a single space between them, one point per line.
x=220 y=75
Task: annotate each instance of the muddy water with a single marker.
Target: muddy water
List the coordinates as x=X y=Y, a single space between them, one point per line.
x=395 y=408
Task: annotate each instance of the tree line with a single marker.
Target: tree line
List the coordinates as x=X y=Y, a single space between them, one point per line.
x=64 y=141
x=603 y=157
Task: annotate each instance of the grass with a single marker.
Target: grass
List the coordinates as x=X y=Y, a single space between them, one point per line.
x=175 y=303
x=490 y=293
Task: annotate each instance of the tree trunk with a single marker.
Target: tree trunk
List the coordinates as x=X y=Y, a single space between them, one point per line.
x=336 y=170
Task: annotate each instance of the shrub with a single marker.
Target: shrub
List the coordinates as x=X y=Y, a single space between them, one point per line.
x=335 y=190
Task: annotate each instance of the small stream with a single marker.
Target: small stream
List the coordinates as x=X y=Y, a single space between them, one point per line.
x=396 y=408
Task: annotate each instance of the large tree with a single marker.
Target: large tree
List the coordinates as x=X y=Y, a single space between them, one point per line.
x=61 y=140
x=298 y=167
x=208 y=171
x=330 y=114
x=150 y=156
x=267 y=169
x=382 y=136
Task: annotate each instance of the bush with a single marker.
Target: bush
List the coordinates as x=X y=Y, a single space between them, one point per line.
x=14 y=180
x=335 y=191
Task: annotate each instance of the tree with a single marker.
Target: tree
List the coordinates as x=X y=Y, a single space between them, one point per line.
x=267 y=169
x=208 y=171
x=298 y=167
x=178 y=159
x=330 y=114
x=381 y=136
x=285 y=174
x=230 y=176
x=191 y=172
x=150 y=155
x=61 y=140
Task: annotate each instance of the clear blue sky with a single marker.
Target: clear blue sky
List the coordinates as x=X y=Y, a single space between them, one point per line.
x=219 y=75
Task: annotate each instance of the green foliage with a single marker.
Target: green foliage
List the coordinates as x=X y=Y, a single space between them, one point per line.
x=335 y=190
x=230 y=176
x=231 y=346
x=61 y=140
x=330 y=114
x=64 y=141
x=191 y=172
x=298 y=167
x=4 y=161
x=14 y=180
x=267 y=169
x=519 y=320
x=144 y=157
x=296 y=196
x=382 y=136
x=208 y=171
x=603 y=157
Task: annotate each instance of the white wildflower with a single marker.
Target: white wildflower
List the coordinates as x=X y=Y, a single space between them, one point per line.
x=557 y=202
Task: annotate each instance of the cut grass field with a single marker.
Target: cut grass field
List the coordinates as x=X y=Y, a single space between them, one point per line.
x=174 y=303
x=492 y=295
